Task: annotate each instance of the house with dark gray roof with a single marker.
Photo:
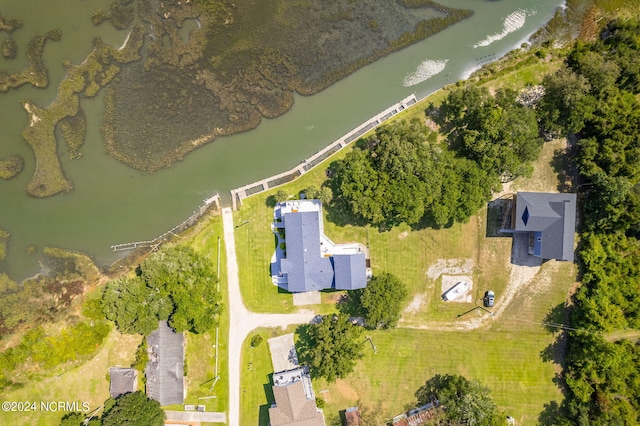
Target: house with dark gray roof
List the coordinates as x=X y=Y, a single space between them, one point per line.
x=550 y=221
x=306 y=259
x=122 y=380
x=165 y=369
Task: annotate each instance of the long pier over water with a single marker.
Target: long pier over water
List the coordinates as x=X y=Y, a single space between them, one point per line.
x=173 y=231
x=238 y=194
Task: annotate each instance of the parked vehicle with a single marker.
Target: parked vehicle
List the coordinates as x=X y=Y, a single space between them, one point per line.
x=489 y=299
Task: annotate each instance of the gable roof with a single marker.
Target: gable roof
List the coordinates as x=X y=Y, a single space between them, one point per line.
x=313 y=262
x=122 y=380
x=552 y=217
x=165 y=369
x=304 y=265
x=293 y=408
x=350 y=271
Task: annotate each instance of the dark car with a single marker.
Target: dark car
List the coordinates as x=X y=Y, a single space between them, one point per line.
x=488 y=299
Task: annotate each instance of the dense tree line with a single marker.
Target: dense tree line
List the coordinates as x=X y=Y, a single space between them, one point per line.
x=402 y=174
x=595 y=98
x=176 y=283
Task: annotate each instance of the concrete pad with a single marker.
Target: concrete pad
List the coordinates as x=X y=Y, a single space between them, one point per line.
x=307 y=298
x=283 y=353
x=449 y=281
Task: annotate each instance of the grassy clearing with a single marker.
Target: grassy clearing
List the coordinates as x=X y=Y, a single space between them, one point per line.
x=85 y=383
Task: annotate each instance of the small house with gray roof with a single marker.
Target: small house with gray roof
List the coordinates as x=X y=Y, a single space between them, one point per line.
x=295 y=402
x=165 y=368
x=548 y=218
x=306 y=259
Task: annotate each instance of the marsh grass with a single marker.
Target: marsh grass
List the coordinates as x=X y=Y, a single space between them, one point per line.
x=245 y=63
x=11 y=166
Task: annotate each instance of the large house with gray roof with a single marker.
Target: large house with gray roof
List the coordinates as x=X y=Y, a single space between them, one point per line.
x=306 y=259
x=548 y=218
x=165 y=368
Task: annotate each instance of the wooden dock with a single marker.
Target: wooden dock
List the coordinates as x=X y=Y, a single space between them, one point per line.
x=173 y=231
x=238 y=194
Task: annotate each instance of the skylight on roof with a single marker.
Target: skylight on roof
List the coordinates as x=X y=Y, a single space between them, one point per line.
x=525 y=216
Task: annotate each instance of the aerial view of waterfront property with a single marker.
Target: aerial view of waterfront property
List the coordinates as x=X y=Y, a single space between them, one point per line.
x=294 y=212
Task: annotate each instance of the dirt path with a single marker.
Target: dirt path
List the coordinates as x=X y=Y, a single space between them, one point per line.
x=242 y=321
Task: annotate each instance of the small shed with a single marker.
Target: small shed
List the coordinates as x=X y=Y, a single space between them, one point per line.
x=122 y=380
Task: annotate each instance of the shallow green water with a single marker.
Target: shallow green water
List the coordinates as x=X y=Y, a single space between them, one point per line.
x=115 y=204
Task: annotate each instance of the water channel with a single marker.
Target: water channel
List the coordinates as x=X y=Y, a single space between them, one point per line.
x=112 y=203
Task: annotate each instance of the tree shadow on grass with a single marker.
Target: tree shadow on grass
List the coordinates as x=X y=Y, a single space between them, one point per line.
x=551 y=414
x=339 y=213
x=350 y=304
x=562 y=163
x=555 y=322
x=271 y=201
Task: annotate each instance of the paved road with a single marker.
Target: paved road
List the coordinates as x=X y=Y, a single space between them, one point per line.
x=242 y=321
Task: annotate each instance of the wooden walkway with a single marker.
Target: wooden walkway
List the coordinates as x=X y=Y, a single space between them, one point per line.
x=173 y=231
x=238 y=194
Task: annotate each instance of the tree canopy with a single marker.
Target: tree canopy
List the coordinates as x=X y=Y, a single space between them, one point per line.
x=464 y=401
x=381 y=301
x=175 y=283
x=496 y=132
x=128 y=409
x=402 y=174
x=134 y=409
x=330 y=347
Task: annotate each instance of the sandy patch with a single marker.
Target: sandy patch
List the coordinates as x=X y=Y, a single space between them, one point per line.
x=449 y=281
x=403 y=235
x=419 y=300
x=450 y=266
x=346 y=390
x=34 y=118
